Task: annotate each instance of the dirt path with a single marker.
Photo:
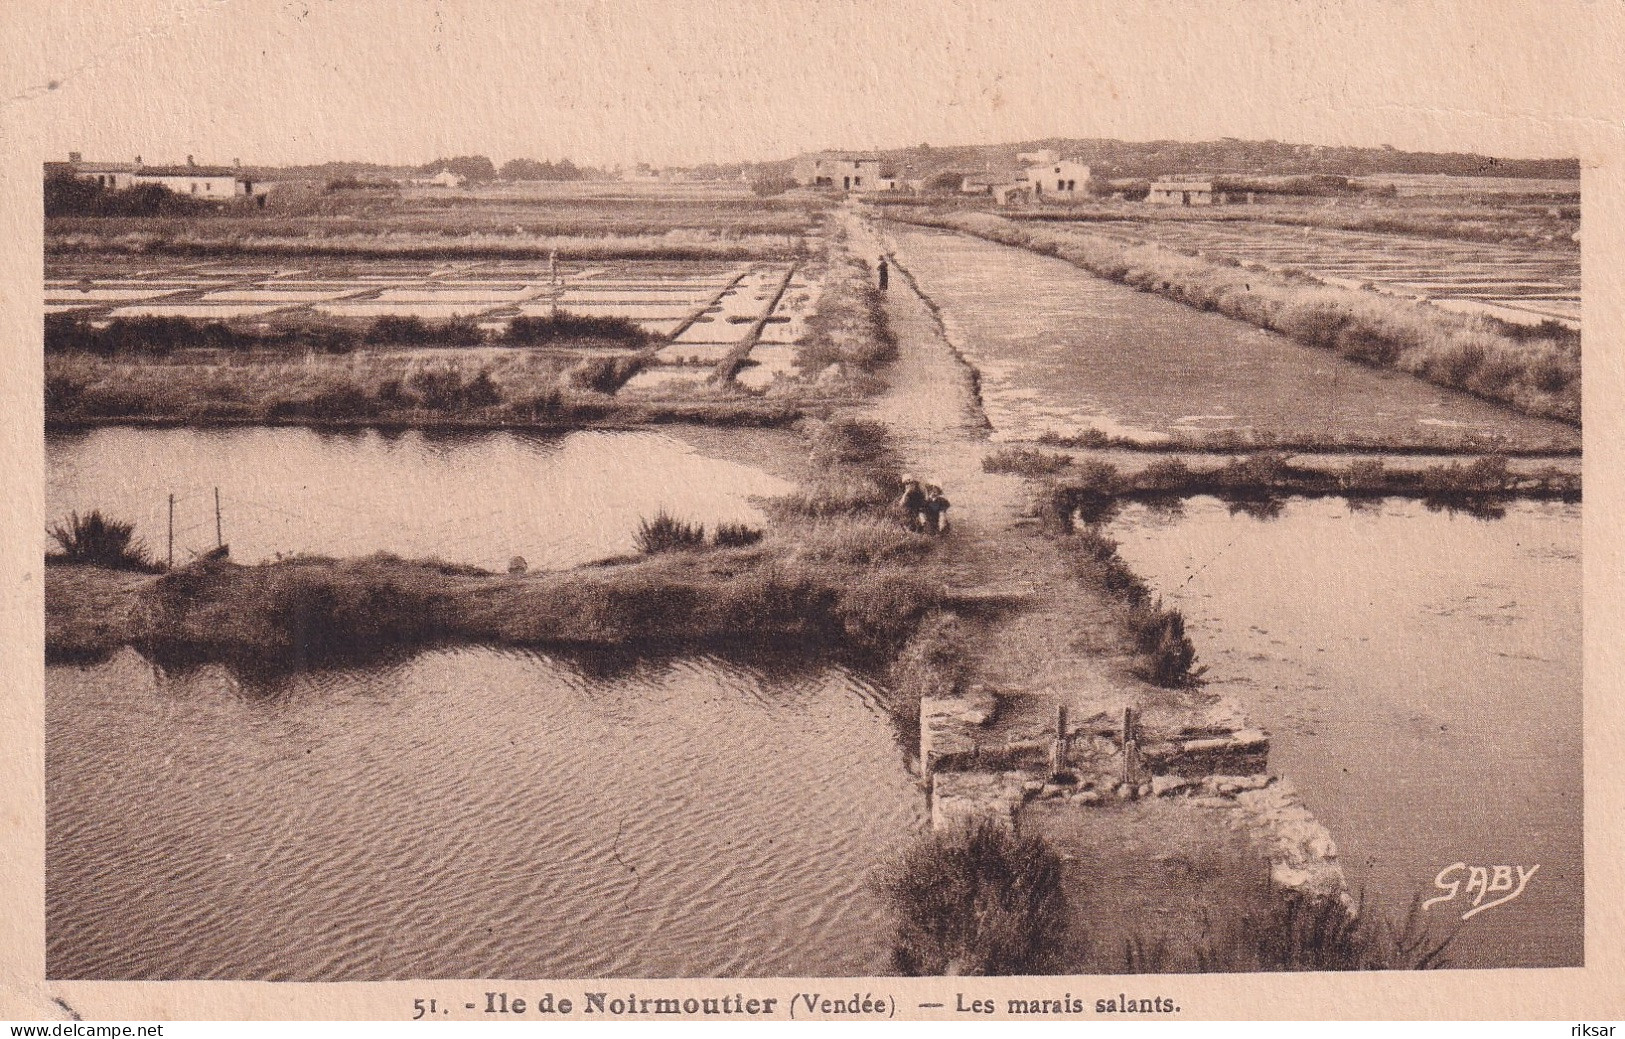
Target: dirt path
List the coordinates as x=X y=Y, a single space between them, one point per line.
x=1142 y=877
x=1063 y=645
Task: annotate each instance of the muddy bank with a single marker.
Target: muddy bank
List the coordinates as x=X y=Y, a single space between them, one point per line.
x=303 y=611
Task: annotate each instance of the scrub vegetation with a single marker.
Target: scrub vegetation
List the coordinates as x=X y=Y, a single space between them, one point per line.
x=95 y=540
x=975 y=901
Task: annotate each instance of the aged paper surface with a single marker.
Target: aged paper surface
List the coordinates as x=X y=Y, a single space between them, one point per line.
x=790 y=280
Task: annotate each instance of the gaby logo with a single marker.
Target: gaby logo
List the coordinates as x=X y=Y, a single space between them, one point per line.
x=1481 y=883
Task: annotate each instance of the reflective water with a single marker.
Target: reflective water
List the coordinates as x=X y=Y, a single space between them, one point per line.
x=1060 y=350
x=1420 y=673
x=469 y=813
x=478 y=498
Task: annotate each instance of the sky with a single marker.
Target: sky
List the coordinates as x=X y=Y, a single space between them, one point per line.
x=688 y=82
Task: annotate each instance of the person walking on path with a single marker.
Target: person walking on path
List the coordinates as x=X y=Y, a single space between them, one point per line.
x=936 y=510
x=912 y=504
x=885 y=274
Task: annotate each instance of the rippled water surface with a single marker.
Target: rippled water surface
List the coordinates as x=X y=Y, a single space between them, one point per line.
x=1420 y=673
x=479 y=498
x=469 y=813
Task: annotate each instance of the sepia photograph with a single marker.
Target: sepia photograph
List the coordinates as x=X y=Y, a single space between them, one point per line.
x=697 y=491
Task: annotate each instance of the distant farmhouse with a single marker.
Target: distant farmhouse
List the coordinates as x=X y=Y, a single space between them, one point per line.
x=1042 y=175
x=191 y=179
x=1180 y=191
x=843 y=171
x=1057 y=179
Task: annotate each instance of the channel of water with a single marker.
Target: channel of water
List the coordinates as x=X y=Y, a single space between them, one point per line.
x=1419 y=672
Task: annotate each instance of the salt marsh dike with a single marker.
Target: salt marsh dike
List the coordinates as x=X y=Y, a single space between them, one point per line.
x=783 y=741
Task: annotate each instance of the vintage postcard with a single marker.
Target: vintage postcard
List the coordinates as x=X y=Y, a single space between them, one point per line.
x=852 y=511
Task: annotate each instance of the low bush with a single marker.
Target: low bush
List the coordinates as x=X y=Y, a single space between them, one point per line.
x=1159 y=637
x=1025 y=462
x=735 y=535
x=1301 y=932
x=1483 y=476
x=564 y=326
x=1263 y=470
x=161 y=336
x=347 y=401
x=666 y=533
x=1165 y=474
x=855 y=470
x=607 y=375
x=1365 y=474
x=978 y=901
x=95 y=540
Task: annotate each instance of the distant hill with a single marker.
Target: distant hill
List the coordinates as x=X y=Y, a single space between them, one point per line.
x=1113 y=159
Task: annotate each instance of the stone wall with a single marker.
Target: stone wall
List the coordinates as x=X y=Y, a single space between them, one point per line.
x=1207 y=764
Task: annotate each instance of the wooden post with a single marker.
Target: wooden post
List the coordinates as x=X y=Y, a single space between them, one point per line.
x=1131 y=748
x=1058 y=750
x=171 y=532
x=219 y=538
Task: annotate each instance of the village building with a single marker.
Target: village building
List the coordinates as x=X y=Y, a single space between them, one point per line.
x=444 y=179
x=844 y=172
x=190 y=179
x=1173 y=191
x=1062 y=178
x=1043 y=157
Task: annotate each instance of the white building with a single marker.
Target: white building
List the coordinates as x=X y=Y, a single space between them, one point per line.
x=1175 y=192
x=203 y=181
x=846 y=172
x=190 y=179
x=1060 y=179
x=445 y=179
x=1045 y=157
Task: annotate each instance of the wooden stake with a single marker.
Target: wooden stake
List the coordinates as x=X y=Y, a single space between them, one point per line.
x=1131 y=748
x=171 y=532
x=1058 y=750
x=219 y=538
